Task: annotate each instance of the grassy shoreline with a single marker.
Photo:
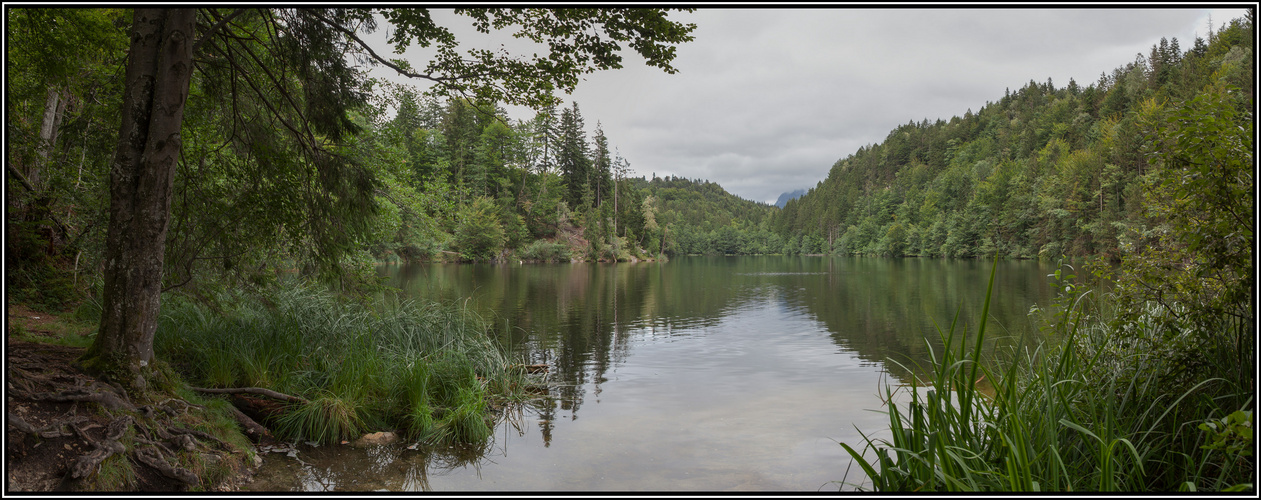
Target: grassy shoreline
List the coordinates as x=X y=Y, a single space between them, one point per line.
x=1112 y=406
x=428 y=371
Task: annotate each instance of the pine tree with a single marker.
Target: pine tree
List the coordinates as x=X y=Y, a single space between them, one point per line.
x=571 y=156
x=602 y=167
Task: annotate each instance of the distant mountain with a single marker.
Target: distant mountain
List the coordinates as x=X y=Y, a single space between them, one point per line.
x=783 y=198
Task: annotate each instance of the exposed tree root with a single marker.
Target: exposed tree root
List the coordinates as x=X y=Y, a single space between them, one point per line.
x=149 y=455
x=51 y=431
x=102 y=448
x=253 y=390
x=156 y=438
x=107 y=399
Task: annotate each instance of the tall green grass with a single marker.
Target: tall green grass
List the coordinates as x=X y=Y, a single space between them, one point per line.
x=1105 y=407
x=421 y=368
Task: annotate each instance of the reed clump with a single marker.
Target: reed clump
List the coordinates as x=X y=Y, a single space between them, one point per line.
x=1136 y=406
x=419 y=368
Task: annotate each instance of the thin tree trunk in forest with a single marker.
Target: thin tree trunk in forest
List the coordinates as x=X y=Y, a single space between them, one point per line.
x=47 y=135
x=159 y=69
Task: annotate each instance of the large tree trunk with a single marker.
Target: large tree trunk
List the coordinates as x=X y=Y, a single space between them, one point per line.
x=159 y=68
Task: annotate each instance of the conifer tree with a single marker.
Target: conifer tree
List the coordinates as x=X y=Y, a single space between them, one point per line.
x=572 y=156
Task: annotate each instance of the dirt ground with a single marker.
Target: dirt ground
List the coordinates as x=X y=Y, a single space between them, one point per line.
x=43 y=461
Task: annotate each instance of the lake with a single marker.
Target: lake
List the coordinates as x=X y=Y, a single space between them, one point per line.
x=696 y=374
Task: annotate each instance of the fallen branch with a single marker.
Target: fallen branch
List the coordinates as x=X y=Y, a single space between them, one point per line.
x=253 y=390
x=253 y=430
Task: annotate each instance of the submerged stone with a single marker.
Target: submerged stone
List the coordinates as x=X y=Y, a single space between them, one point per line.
x=376 y=438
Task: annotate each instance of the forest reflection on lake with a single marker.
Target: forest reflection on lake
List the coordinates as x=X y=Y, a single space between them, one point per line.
x=697 y=374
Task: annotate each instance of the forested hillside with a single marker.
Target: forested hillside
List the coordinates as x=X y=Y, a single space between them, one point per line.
x=1044 y=171
x=700 y=217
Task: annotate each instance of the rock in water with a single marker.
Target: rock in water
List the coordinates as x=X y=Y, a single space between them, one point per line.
x=376 y=438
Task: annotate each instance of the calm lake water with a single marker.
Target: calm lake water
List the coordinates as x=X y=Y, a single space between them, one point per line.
x=697 y=374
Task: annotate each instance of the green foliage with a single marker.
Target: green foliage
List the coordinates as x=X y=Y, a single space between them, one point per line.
x=432 y=158
x=479 y=235
x=36 y=277
x=289 y=160
x=531 y=81
x=700 y=217
x=1114 y=403
x=1200 y=204
x=1231 y=434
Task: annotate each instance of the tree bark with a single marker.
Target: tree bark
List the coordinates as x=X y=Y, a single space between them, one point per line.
x=159 y=69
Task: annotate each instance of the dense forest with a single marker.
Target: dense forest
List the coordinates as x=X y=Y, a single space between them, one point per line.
x=1044 y=171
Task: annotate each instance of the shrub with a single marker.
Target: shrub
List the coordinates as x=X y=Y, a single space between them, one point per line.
x=479 y=234
x=545 y=251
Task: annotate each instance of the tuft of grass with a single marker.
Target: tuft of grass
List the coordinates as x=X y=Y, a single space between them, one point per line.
x=326 y=419
x=55 y=328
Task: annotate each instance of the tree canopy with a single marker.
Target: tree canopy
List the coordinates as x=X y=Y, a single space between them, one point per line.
x=251 y=137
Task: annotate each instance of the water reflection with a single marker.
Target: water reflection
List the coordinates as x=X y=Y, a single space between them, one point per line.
x=577 y=317
x=704 y=373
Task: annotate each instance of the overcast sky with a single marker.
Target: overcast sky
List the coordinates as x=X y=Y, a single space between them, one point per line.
x=766 y=100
